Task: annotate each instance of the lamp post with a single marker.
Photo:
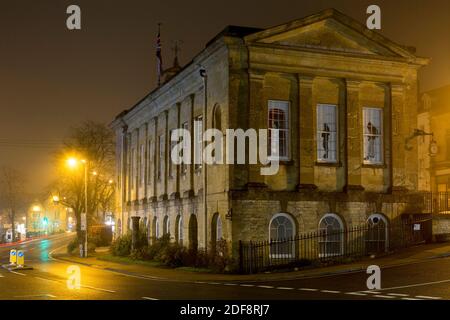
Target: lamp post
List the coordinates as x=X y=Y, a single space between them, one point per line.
x=72 y=162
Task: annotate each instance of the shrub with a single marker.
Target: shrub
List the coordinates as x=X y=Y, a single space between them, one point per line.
x=121 y=246
x=72 y=246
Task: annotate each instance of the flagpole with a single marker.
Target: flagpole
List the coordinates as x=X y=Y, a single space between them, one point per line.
x=158 y=54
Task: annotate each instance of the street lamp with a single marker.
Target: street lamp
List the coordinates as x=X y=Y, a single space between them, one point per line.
x=72 y=163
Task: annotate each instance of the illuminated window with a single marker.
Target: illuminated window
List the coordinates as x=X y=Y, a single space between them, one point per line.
x=281 y=234
x=278 y=121
x=326 y=133
x=373 y=135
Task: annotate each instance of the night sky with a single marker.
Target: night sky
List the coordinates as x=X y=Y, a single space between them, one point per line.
x=52 y=78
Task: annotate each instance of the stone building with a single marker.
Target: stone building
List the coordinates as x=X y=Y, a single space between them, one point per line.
x=344 y=99
x=434 y=150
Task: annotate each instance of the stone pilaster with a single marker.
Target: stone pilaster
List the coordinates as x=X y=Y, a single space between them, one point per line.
x=354 y=148
x=307 y=153
x=399 y=133
x=257 y=118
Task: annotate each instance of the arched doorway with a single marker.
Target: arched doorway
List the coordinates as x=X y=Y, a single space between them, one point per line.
x=193 y=233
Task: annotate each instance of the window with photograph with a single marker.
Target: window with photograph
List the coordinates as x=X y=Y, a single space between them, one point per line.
x=133 y=169
x=184 y=126
x=142 y=165
x=373 y=135
x=278 y=120
x=150 y=162
x=162 y=147
x=172 y=166
x=198 y=134
x=327 y=137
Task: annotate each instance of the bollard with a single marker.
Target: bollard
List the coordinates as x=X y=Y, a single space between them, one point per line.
x=13 y=257
x=20 y=259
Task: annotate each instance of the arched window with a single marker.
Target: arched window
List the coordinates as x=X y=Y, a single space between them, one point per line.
x=216 y=230
x=281 y=234
x=377 y=234
x=155 y=228
x=193 y=233
x=179 y=229
x=219 y=234
x=166 y=225
x=331 y=241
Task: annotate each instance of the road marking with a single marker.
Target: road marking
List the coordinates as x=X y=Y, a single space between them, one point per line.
x=411 y=299
x=398 y=294
x=247 y=285
x=214 y=283
x=148 y=298
x=99 y=289
x=200 y=282
x=385 y=297
x=266 y=287
x=370 y=291
x=20 y=274
x=330 y=291
x=51 y=280
x=284 y=288
x=428 y=297
x=417 y=285
x=1 y=276
x=356 y=293
x=231 y=284
x=307 y=289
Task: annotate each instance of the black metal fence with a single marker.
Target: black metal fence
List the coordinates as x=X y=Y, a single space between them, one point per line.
x=329 y=245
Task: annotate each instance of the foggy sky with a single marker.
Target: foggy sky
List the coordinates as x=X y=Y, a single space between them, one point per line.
x=52 y=78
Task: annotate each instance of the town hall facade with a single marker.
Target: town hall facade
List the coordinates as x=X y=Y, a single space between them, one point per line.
x=343 y=99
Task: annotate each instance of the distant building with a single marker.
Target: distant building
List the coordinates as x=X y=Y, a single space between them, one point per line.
x=344 y=99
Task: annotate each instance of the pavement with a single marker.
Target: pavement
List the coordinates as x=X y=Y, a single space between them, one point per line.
x=419 y=273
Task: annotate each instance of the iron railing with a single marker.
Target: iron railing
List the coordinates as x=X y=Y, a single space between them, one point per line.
x=328 y=246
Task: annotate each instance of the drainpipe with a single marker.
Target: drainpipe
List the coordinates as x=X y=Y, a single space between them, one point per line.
x=204 y=75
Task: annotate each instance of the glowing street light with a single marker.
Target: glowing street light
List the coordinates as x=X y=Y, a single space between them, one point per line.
x=73 y=163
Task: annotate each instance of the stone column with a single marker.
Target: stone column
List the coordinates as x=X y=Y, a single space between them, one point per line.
x=354 y=148
x=307 y=154
x=257 y=119
x=398 y=134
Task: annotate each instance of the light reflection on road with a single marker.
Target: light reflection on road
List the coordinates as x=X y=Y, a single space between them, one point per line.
x=43 y=246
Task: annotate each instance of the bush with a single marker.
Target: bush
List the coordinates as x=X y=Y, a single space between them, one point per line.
x=72 y=246
x=121 y=246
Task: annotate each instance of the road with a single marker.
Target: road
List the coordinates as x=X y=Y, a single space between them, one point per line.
x=429 y=280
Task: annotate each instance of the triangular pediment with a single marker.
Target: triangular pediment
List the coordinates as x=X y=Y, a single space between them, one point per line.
x=332 y=31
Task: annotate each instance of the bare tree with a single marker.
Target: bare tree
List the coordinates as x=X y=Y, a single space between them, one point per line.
x=93 y=142
x=11 y=193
